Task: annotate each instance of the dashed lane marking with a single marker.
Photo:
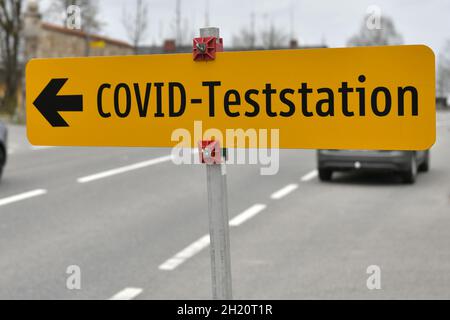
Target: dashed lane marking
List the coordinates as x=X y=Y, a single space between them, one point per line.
x=127 y=294
x=22 y=196
x=309 y=176
x=284 y=191
x=186 y=253
x=124 y=169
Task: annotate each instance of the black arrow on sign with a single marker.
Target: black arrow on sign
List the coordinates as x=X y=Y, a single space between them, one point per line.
x=50 y=104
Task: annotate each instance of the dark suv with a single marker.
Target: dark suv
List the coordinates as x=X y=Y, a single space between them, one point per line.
x=407 y=163
x=3 y=146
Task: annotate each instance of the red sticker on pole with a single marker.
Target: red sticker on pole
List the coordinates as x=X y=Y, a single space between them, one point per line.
x=209 y=152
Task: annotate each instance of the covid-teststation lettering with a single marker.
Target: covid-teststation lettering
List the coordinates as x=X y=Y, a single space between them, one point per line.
x=170 y=99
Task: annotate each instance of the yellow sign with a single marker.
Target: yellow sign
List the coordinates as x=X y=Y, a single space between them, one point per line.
x=97 y=44
x=348 y=98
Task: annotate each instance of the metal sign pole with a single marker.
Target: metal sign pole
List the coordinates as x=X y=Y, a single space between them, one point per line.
x=218 y=210
x=219 y=231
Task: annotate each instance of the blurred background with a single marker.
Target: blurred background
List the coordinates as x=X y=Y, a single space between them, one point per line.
x=96 y=223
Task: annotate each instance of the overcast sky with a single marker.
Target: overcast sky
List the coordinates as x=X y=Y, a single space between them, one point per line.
x=314 y=21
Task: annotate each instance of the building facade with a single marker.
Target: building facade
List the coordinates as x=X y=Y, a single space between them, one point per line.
x=46 y=40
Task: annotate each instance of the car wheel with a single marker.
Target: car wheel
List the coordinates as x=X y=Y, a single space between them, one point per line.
x=325 y=174
x=410 y=175
x=425 y=165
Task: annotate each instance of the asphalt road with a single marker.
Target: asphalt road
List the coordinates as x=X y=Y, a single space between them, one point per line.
x=310 y=240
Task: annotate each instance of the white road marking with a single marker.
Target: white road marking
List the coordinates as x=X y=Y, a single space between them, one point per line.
x=204 y=241
x=22 y=196
x=127 y=294
x=12 y=147
x=284 y=191
x=247 y=214
x=186 y=253
x=309 y=176
x=124 y=169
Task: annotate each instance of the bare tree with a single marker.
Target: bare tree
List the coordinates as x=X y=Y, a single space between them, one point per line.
x=188 y=33
x=245 y=39
x=384 y=34
x=136 y=24
x=182 y=30
x=90 y=21
x=10 y=28
x=443 y=72
x=273 y=37
x=178 y=37
x=247 y=36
